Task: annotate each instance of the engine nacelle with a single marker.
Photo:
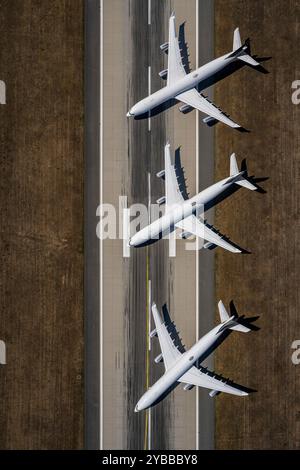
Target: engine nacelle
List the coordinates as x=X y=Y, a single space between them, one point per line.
x=153 y=333
x=163 y=74
x=188 y=387
x=159 y=358
x=185 y=235
x=161 y=200
x=210 y=121
x=209 y=246
x=214 y=393
x=160 y=174
x=185 y=108
x=164 y=47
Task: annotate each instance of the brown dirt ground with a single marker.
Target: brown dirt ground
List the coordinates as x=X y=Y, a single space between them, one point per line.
x=41 y=210
x=266 y=282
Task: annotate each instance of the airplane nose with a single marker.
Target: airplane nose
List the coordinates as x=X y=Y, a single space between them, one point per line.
x=136 y=409
x=129 y=114
x=132 y=241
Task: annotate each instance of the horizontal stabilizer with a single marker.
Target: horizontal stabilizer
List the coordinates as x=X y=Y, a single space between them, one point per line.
x=246 y=184
x=248 y=59
x=239 y=327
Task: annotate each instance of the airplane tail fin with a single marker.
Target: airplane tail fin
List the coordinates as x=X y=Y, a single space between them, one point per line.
x=238 y=176
x=237 y=43
x=232 y=322
x=242 y=52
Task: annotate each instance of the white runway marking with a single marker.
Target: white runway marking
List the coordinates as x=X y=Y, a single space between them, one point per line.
x=126 y=231
x=149 y=346
x=101 y=241
x=149 y=197
x=149 y=11
x=149 y=313
x=149 y=429
x=149 y=93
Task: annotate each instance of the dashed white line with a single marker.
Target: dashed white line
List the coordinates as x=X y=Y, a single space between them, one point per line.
x=149 y=93
x=149 y=12
x=149 y=197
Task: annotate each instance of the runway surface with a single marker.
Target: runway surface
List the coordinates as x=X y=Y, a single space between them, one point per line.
x=131 y=153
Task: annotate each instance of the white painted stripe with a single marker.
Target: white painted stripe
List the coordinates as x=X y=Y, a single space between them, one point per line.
x=101 y=241
x=172 y=244
x=149 y=429
x=125 y=230
x=149 y=197
x=197 y=239
x=149 y=93
x=149 y=11
x=149 y=312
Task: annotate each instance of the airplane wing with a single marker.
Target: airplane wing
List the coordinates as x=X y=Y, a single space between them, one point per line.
x=199 y=228
x=204 y=378
x=169 y=351
x=175 y=67
x=200 y=102
x=173 y=192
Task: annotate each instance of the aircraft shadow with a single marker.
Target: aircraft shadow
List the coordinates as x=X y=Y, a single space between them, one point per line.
x=179 y=170
x=171 y=327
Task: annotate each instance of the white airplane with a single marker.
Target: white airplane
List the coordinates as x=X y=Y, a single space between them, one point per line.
x=180 y=366
x=183 y=213
x=182 y=85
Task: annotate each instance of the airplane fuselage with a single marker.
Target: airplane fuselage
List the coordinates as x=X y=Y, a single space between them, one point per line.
x=184 y=363
x=191 y=80
x=167 y=223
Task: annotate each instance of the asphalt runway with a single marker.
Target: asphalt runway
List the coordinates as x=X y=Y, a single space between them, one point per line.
x=130 y=151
